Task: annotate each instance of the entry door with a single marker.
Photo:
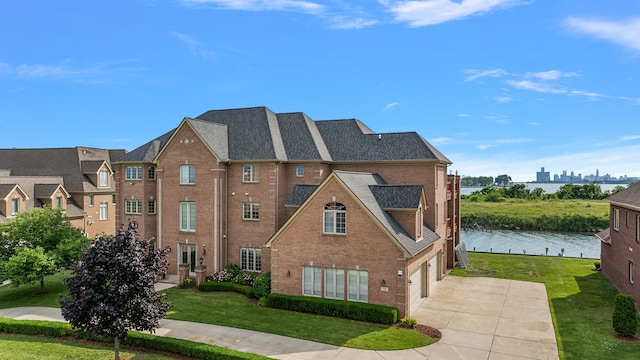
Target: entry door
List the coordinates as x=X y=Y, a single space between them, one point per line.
x=416 y=287
x=434 y=269
x=188 y=256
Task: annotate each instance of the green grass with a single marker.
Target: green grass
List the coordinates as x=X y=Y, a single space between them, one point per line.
x=235 y=310
x=42 y=348
x=536 y=208
x=581 y=301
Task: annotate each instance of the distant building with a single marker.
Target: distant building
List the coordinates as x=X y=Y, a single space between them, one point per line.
x=543 y=176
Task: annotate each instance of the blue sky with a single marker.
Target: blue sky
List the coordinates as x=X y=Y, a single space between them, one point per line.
x=499 y=86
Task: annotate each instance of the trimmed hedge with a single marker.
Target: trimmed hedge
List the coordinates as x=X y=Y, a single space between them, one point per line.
x=247 y=290
x=141 y=340
x=625 y=320
x=336 y=308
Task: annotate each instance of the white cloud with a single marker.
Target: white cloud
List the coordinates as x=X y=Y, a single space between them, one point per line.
x=550 y=75
x=431 y=12
x=463 y=115
x=345 y=23
x=485 y=146
x=502 y=99
x=535 y=86
x=95 y=73
x=441 y=140
x=262 y=5
x=194 y=46
x=391 y=106
x=630 y=137
x=475 y=74
x=625 y=33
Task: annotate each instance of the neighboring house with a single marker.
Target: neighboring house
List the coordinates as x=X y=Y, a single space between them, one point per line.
x=620 y=246
x=79 y=180
x=281 y=192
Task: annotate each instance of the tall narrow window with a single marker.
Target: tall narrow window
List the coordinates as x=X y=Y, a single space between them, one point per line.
x=616 y=219
x=151 y=172
x=335 y=218
x=133 y=207
x=300 y=171
x=637 y=228
x=250 y=211
x=91 y=200
x=251 y=259
x=113 y=198
x=151 y=207
x=104 y=210
x=15 y=206
x=58 y=201
x=358 y=286
x=250 y=173
x=311 y=281
x=187 y=174
x=631 y=272
x=188 y=216
x=104 y=178
x=334 y=283
x=133 y=173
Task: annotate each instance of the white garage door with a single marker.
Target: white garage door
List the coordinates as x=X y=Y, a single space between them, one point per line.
x=434 y=265
x=415 y=290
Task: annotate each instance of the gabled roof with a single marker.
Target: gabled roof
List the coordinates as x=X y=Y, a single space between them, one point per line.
x=364 y=186
x=64 y=162
x=604 y=235
x=92 y=166
x=261 y=135
x=7 y=189
x=628 y=198
x=47 y=190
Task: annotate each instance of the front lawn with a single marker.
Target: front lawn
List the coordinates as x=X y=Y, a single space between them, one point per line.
x=581 y=301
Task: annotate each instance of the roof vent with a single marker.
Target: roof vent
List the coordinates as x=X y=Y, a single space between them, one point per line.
x=379 y=136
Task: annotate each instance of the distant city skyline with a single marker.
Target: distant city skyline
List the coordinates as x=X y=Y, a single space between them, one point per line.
x=565 y=176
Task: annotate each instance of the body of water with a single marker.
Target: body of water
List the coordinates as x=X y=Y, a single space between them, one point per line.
x=532 y=243
x=549 y=188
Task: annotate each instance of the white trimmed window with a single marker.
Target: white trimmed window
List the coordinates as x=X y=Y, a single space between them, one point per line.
x=334 y=283
x=133 y=173
x=151 y=173
x=300 y=171
x=616 y=219
x=151 y=207
x=58 y=201
x=104 y=210
x=251 y=259
x=187 y=174
x=104 y=178
x=637 y=228
x=188 y=216
x=311 y=281
x=133 y=207
x=335 y=218
x=250 y=173
x=15 y=206
x=250 y=211
x=631 y=272
x=358 y=286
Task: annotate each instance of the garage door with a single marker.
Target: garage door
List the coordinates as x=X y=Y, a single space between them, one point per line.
x=434 y=265
x=415 y=290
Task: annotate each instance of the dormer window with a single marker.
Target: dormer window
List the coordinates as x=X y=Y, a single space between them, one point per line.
x=335 y=218
x=15 y=206
x=103 y=178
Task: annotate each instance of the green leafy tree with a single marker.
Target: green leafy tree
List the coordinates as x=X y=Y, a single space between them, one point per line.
x=503 y=180
x=111 y=290
x=27 y=266
x=516 y=191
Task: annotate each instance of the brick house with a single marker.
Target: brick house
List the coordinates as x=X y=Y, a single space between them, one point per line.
x=234 y=187
x=620 y=244
x=79 y=180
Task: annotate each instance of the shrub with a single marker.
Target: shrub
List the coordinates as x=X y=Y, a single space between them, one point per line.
x=408 y=322
x=262 y=285
x=625 y=321
x=208 y=286
x=186 y=283
x=336 y=308
x=35 y=327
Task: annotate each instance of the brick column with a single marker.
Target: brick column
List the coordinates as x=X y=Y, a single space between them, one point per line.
x=183 y=271
x=200 y=274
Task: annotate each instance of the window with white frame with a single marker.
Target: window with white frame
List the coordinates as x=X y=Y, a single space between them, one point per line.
x=311 y=281
x=187 y=174
x=616 y=219
x=151 y=207
x=132 y=206
x=15 y=206
x=151 y=173
x=188 y=216
x=58 y=201
x=250 y=173
x=104 y=178
x=250 y=211
x=637 y=228
x=334 y=283
x=358 y=287
x=133 y=173
x=300 y=171
x=104 y=210
x=335 y=218
x=251 y=259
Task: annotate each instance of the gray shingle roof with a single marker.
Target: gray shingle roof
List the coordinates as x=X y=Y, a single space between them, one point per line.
x=91 y=166
x=299 y=194
x=301 y=138
x=5 y=189
x=629 y=197
x=147 y=152
x=397 y=196
x=361 y=184
x=44 y=190
x=214 y=134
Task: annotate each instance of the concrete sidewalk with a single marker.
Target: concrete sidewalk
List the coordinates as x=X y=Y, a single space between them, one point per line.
x=480 y=319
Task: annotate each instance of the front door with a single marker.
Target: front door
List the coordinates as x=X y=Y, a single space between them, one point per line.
x=188 y=256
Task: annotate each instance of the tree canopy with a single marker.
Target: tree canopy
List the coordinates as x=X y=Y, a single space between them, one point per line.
x=111 y=290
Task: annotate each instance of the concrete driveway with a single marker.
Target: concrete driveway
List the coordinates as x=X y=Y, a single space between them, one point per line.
x=487 y=318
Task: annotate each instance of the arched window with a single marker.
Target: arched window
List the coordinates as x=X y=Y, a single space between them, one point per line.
x=335 y=218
